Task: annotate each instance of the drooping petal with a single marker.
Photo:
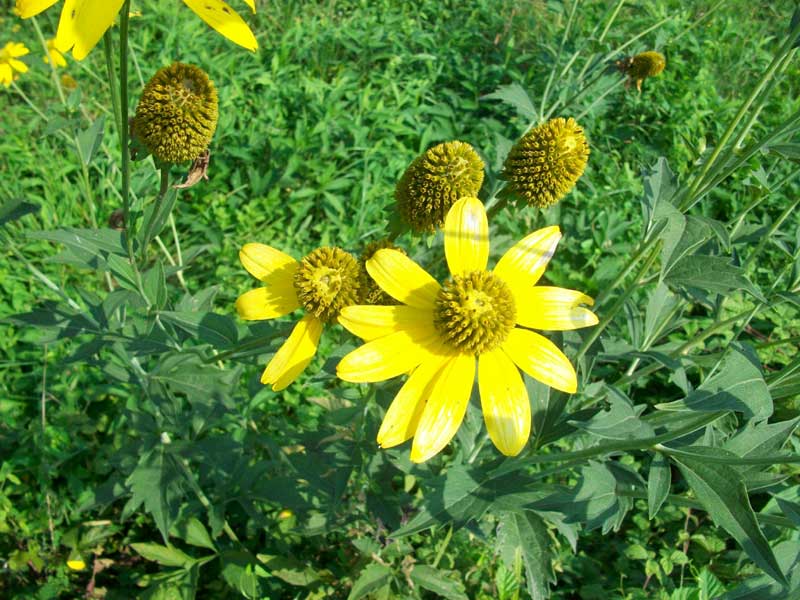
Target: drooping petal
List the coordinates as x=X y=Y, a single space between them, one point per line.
x=6 y=75
x=504 y=401
x=523 y=264
x=294 y=355
x=83 y=23
x=372 y=322
x=390 y=356
x=31 y=8
x=541 y=359
x=404 y=413
x=267 y=302
x=445 y=407
x=402 y=278
x=18 y=65
x=466 y=236
x=555 y=309
x=226 y=21
x=261 y=261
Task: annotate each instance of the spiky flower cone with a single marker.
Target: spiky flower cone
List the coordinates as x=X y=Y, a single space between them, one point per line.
x=435 y=181
x=545 y=164
x=177 y=113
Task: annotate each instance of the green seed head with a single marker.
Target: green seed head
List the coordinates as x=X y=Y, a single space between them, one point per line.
x=435 y=181
x=546 y=163
x=177 y=113
x=371 y=292
x=474 y=312
x=327 y=280
x=646 y=64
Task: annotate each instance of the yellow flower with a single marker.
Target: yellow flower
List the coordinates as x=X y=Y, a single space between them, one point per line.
x=58 y=58
x=76 y=564
x=83 y=22
x=440 y=330
x=322 y=283
x=9 y=63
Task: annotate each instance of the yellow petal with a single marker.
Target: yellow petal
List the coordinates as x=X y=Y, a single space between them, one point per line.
x=17 y=65
x=445 y=407
x=402 y=278
x=372 y=322
x=263 y=262
x=523 y=264
x=294 y=355
x=226 y=21
x=76 y=564
x=83 y=23
x=251 y=4
x=466 y=236
x=541 y=359
x=555 y=309
x=504 y=401
x=6 y=75
x=390 y=356
x=267 y=302
x=404 y=413
x=31 y=8
x=15 y=49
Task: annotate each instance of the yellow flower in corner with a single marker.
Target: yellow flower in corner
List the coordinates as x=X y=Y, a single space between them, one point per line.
x=83 y=22
x=322 y=283
x=10 y=64
x=477 y=319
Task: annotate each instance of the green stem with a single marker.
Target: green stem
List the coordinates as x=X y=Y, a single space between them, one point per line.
x=108 y=46
x=52 y=64
x=123 y=104
x=557 y=58
x=599 y=99
x=612 y=312
x=766 y=238
x=736 y=460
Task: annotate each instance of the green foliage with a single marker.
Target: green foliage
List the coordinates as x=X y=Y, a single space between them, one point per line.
x=138 y=442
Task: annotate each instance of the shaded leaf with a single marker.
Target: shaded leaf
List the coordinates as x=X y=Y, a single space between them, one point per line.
x=437 y=582
x=525 y=534
x=658 y=481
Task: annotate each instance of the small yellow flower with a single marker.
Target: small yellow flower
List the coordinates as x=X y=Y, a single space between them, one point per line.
x=322 y=283
x=83 y=22
x=547 y=162
x=440 y=332
x=76 y=564
x=9 y=63
x=52 y=51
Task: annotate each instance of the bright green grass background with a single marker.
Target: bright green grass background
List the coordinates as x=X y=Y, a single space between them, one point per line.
x=314 y=131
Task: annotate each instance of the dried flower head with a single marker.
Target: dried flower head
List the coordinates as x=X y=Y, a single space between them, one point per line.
x=545 y=164
x=435 y=181
x=177 y=113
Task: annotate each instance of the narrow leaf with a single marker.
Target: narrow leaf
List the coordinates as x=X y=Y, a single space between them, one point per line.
x=658 y=482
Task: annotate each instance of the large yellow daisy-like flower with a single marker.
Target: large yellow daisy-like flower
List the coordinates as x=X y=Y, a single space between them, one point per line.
x=440 y=330
x=10 y=64
x=322 y=283
x=83 y=22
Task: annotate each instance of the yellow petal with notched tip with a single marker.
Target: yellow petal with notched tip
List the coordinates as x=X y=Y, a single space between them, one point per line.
x=83 y=23
x=31 y=8
x=372 y=322
x=402 y=278
x=294 y=355
x=523 y=264
x=389 y=356
x=404 y=413
x=504 y=402
x=267 y=302
x=263 y=262
x=466 y=236
x=226 y=21
x=445 y=407
x=541 y=359
x=555 y=309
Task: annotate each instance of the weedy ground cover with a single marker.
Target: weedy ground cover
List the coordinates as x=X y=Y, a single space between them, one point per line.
x=142 y=456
